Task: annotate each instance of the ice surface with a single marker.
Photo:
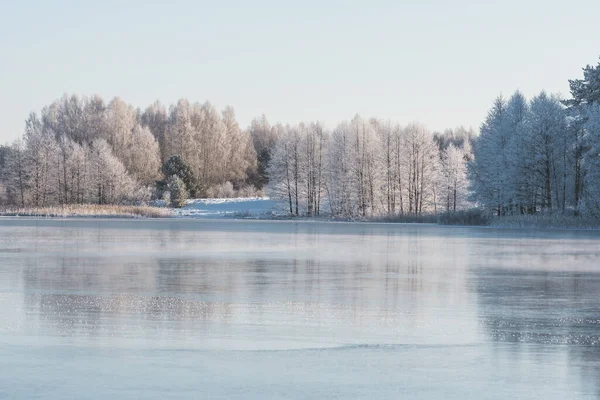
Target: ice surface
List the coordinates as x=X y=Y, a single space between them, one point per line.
x=204 y=308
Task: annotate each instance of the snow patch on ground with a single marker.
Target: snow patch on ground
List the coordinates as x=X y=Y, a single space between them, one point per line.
x=258 y=207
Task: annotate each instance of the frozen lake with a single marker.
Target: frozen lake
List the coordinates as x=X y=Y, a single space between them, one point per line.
x=223 y=309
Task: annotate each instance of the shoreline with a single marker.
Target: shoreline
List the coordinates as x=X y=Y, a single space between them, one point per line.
x=87 y=211
x=160 y=213
x=266 y=209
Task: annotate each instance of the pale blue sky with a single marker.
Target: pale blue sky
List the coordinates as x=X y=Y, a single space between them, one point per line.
x=437 y=62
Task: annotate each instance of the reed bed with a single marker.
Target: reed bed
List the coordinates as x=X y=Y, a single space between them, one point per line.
x=88 y=210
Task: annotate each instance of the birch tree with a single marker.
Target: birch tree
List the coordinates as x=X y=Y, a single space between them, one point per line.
x=454 y=164
x=422 y=156
x=16 y=175
x=41 y=157
x=338 y=172
x=110 y=181
x=283 y=170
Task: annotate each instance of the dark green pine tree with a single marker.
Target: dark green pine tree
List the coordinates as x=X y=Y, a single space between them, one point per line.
x=177 y=166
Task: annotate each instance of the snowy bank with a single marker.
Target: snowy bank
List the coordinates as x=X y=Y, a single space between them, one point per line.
x=257 y=207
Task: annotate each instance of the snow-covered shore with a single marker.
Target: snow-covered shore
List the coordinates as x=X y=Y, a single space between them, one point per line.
x=264 y=208
x=258 y=207
x=253 y=208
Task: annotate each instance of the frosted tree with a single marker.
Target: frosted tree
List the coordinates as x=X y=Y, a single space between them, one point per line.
x=459 y=137
x=133 y=144
x=211 y=142
x=177 y=190
x=4 y=155
x=351 y=169
x=385 y=160
x=338 y=172
x=208 y=164
x=312 y=144
x=583 y=115
x=454 y=172
x=121 y=119
x=77 y=176
x=545 y=149
x=110 y=181
x=400 y=168
x=490 y=169
x=585 y=91
x=16 y=175
x=591 y=162
x=391 y=165
x=156 y=118
x=422 y=157
x=374 y=167
x=94 y=120
x=297 y=167
x=517 y=181
x=240 y=159
x=180 y=132
x=577 y=138
x=363 y=164
x=283 y=168
x=66 y=117
x=264 y=137
x=66 y=148
x=81 y=119
x=41 y=157
x=144 y=156
x=176 y=165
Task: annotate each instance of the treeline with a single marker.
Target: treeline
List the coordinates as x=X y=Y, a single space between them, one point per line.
x=531 y=156
x=541 y=155
x=81 y=150
x=369 y=167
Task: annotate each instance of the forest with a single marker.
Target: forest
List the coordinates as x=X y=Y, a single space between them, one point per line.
x=530 y=156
